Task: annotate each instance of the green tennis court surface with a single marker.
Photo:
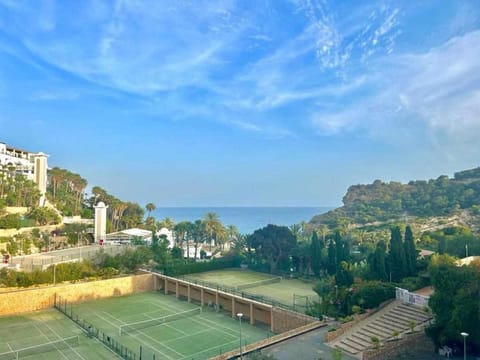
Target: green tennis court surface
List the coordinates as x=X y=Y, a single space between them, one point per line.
x=47 y=335
x=261 y=284
x=166 y=328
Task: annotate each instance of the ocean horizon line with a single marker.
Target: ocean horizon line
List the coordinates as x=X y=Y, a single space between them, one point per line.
x=248 y=206
x=245 y=218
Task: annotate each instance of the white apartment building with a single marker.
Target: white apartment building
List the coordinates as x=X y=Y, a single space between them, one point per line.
x=31 y=165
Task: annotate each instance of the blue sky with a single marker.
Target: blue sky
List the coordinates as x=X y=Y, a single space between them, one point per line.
x=242 y=103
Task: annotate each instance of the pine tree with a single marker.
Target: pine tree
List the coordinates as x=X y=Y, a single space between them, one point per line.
x=396 y=255
x=316 y=254
x=410 y=253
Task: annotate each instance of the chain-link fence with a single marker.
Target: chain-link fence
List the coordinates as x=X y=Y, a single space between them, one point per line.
x=44 y=260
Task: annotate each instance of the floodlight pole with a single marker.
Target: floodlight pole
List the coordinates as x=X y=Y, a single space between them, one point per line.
x=78 y=244
x=240 y=315
x=464 y=335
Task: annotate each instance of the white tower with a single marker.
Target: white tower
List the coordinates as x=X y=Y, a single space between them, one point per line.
x=40 y=174
x=100 y=222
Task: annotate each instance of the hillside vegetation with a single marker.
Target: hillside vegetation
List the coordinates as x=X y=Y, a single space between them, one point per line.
x=381 y=202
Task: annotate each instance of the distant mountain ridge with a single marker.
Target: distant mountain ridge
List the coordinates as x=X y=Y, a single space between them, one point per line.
x=383 y=202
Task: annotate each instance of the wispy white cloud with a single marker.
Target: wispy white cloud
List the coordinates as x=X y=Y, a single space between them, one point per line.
x=55 y=96
x=431 y=95
x=194 y=60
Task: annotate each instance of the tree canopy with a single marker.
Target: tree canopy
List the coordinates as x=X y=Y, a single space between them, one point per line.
x=382 y=201
x=272 y=243
x=455 y=302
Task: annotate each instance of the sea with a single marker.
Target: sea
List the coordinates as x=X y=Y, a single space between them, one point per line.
x=246 y=219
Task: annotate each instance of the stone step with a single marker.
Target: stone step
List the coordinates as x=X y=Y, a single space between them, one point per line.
x=366 y=332
x=408 y=312
x=413 y=310
x=386 y=327
x=362 y=337
x=382 y=334
x=398 y=325
x=353 y=344
x=391 y=316
x=346 y=348
x=361 y=342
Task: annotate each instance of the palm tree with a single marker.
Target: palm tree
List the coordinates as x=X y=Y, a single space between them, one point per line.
x=323 y=231
x=233 y=233
x=221 y=236
x=167 y=223
x=212 y=224
x=198 y=234
x=150 y=207
x=181 y=229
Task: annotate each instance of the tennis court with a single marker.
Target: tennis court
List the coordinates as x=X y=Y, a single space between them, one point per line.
x=263 y=285
x=47 y=335
x=166 y=328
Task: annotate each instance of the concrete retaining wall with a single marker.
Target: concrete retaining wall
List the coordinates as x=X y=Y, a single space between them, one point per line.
x=269 y=341
x=279 y=320
x=417 y=346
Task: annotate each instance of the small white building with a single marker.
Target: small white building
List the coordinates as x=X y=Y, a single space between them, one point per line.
x=189 y=251
x=168 y=234
x=129 y=235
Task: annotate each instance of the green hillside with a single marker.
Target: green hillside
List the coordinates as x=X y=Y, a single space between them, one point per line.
x=380 y=201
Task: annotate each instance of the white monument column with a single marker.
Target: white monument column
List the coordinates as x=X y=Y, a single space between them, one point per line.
x=100 y=222
x=40 y=174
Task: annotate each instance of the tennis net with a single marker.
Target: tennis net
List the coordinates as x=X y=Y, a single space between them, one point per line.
x=61 y=344
x=259 y=283
x=132 y=327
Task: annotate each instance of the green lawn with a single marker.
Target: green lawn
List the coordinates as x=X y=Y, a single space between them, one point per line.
x=199 y=336
x=282 y=291
x=49 y=326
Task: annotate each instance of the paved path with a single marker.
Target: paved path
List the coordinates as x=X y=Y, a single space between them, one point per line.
x=309 y=346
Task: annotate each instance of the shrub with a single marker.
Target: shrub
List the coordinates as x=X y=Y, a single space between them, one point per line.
x=371 y=294
x=10 y=221
x=182 y=267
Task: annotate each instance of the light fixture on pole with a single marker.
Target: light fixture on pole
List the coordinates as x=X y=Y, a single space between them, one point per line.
x=464 y=335
x=240 y=315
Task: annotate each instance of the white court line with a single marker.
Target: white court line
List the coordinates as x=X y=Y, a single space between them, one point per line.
x=41 y=332
x=214 y=347
x=148 y=345
x=170 y=327
x=75 y=351
x=103 y=345
x=11 y=349
x=148 y=336
x=216 y=326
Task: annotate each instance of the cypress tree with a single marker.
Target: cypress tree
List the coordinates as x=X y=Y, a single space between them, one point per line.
x=316 y=254
x=442 y=245
x=332 y=258
x=410 y=253
x=396 y=255
x=377 y=262
x=341 y=248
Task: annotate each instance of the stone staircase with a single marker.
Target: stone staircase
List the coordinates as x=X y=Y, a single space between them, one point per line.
x=393 y=320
